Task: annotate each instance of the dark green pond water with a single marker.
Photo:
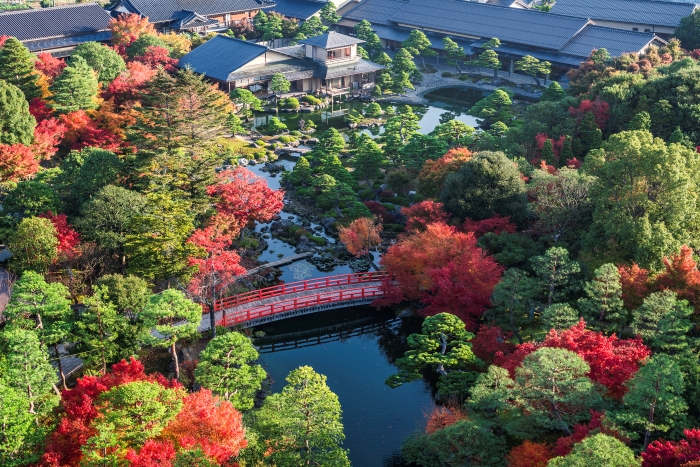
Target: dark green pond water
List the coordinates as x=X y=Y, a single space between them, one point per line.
x=377 y=419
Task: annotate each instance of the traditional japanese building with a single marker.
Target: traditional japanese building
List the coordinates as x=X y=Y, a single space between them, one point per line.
x=200 y=16
x=57 y=30
x=326 y=64
x=565 y=41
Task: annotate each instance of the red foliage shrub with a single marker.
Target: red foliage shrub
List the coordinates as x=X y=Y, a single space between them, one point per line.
x=68 y=238
x=39 y=109
x=683 y=453
x=156 y=56
x=17 y=162
x=78 y=410
x=380 y=211
x=421 y=214
x=529 y=454
x=681 y=276
x=49 y=65
x=635 y=285
x=612 y=361
x=596 y=425
x=152 y=454
x=495 y=224
x=3 y=39
x=574 y=163
x=82 y=131
x=444 y=269
x=599 y=108
x=210 y=423
x=47 y=136
x=128 y=85
x=442 y=417
x=490 y=340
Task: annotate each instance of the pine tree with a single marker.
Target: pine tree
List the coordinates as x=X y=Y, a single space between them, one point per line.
x=105 y=61
x=419 y=45
x=17 y=68
x=16 y=123
x=26 y=368
x=367 y=160
x=554 y=92
x=557 y=274
x=329 y=13
x=227 y=367
x=303 y=423
x=75 y=89
x=174 y=317
x=548 y=152
x=604 y=303
x=559 y=316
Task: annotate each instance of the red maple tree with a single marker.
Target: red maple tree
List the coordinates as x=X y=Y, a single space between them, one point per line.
x=78 y=410
x=82 y=131
x=495 y=224
x=242 y=197
x=421 y=214
x=685 y=452
x=126 y=88
x=490 y=340
x=529 y=454
x=634 y=282
x=431 y=179
x=68 y=238
x=442 y=417
x=49 y=65
x=681 y=276
x=613 y=361
x=152 y=454
x=17 y=162
x=47 y=137
x=595 y=425
x=127 y=28
x=443 y=269
x=599 y=108
x=210 y=423
x=156 y=56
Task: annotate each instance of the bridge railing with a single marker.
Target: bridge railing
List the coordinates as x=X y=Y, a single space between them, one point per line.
x=231 y=319
x=300 y=286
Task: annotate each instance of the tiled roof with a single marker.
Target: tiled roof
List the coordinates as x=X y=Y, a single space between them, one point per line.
x=616 y=41
x=220 y=56
x=400 y=35
x=292 y=69
x=66 y=42
x=159 y=11
x=530 y=27
x=331 y=40
x=57 y=22
x=191 y=19
x=375 y=11
x=626 y=11
x=299 y=9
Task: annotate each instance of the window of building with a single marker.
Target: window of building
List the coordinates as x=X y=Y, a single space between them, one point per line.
x=339 y=53
x=647 y=30
x=635 y=29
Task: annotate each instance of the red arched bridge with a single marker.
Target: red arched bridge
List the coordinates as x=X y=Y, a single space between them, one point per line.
x=296 y=298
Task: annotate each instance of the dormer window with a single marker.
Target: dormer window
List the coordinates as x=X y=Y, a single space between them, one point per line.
x=336 y=54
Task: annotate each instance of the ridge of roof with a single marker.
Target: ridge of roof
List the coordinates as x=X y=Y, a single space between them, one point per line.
x=52 y=8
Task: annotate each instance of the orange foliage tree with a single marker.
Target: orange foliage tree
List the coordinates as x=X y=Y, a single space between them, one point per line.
x=444 y=270
x=442 y=417
x=419 y=215
x=529 y=454
x=634 y=282
x=431 y=179
x=127 y=28
x=17 y=162
x=681 y=276
x=361 y=235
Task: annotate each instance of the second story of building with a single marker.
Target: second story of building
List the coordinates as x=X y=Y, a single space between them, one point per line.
x=331 y=48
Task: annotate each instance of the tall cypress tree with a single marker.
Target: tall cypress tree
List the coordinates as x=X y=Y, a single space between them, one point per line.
x=16 y=123
x=75 y=88
x=17 y=67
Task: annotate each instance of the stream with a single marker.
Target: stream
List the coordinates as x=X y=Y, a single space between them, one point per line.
x=353 y=347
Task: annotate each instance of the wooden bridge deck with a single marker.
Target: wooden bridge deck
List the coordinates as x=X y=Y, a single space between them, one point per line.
x=290 y=304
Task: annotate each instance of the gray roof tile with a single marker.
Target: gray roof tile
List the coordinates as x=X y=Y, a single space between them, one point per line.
x=63 y=21
x=616 y=41
x=361 y=66
x=531 y=27
x=159 y=11
x=299 y=9
x=331 y=40
x=64 y=42
x=626 y=11
x=220 y=56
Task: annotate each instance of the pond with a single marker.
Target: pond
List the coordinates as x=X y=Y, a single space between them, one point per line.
x=355 y=350
x=455 y=100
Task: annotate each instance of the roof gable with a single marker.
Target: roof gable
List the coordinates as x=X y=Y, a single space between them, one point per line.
x=299 y=9
x=220 y=56
x=63 y=21
x=627 y=11
x=615 y=41
x=159 y=11
x=331 y=40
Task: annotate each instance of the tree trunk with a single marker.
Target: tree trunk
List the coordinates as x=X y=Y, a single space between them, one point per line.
x=537 y=81
x=177 y=362
x=495 y=72
x=60 y=367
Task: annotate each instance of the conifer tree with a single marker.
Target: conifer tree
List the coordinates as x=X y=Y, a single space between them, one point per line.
x=548 y=152
x=604 y=303
x=75 y=88
x=174 y=317
x=554 y=92
x=419 y=45
x=329 y=13
x=105 y=61
x=559 y=316
x=34 y=245
x=16 y=123
x=17 y=68
x=227 y=367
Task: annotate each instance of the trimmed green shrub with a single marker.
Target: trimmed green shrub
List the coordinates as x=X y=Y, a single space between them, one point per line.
x=446 y=74
x=312 y=100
